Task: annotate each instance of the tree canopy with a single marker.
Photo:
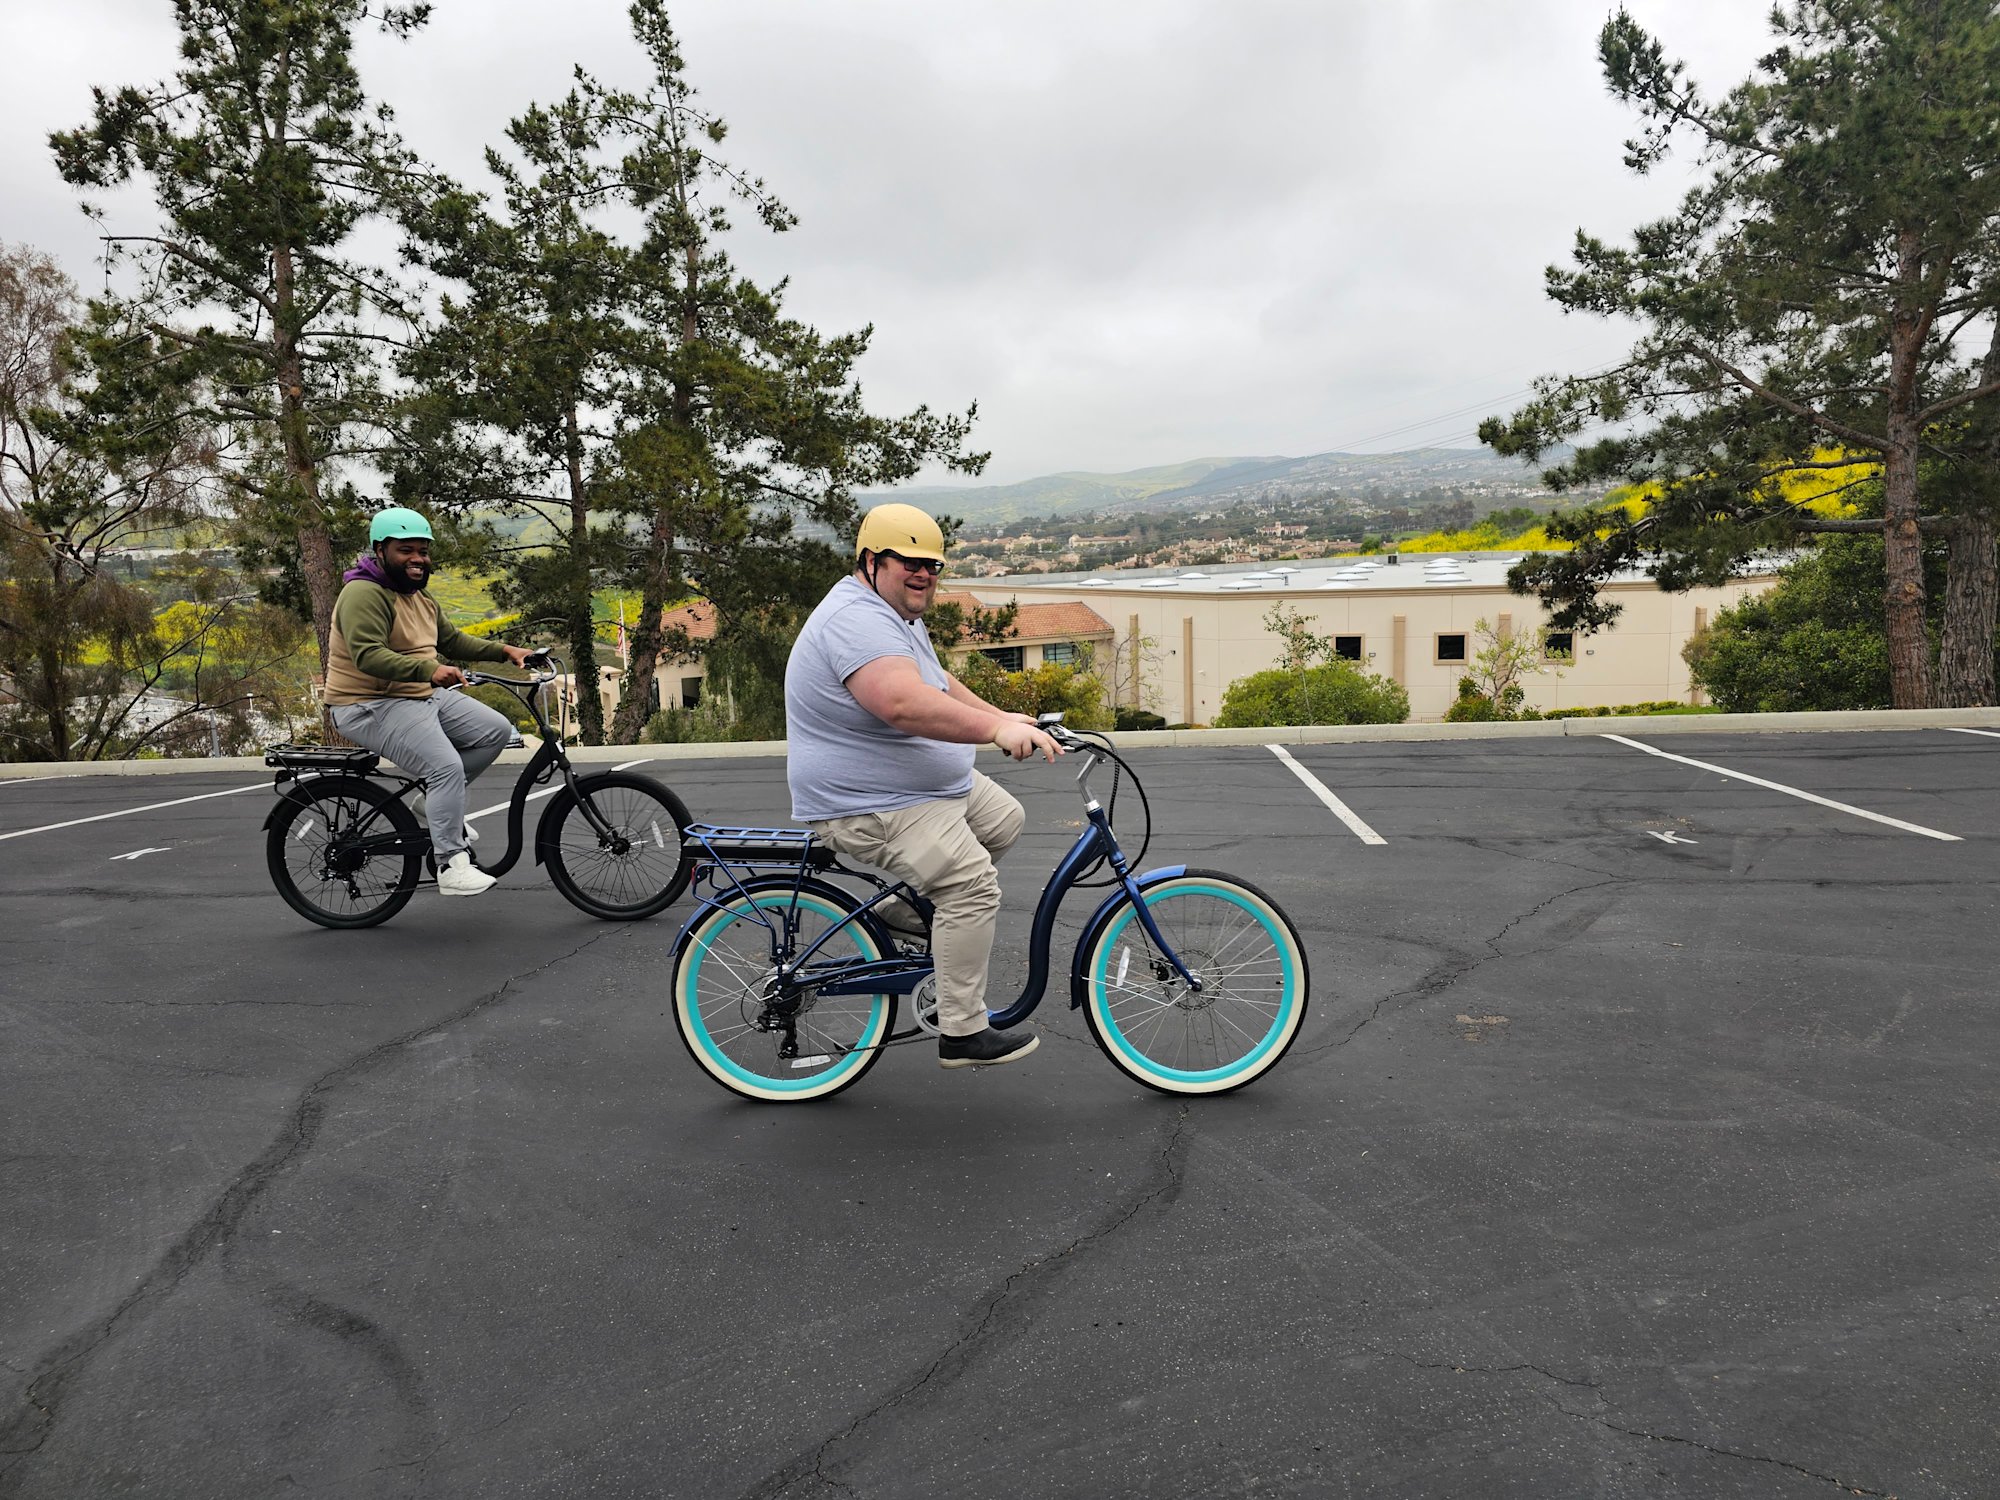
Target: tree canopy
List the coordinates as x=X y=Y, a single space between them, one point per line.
x=1822 y=301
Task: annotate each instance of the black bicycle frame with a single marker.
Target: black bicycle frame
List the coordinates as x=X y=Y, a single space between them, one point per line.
x=548 y=753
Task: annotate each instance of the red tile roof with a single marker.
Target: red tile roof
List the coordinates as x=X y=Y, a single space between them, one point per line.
x=1040 y=622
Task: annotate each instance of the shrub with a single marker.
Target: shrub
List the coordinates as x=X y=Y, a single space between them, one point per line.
x=1136 y=718
x=1053 y=687
x=707 y=723
x=1337 y=693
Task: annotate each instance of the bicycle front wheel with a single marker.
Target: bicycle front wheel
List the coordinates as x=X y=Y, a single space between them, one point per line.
x=332 y=856
x=635 y=866
x=1252 y=1000
x=743 y=1035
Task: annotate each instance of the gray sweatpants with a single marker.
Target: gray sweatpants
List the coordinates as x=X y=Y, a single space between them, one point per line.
x=447 y=739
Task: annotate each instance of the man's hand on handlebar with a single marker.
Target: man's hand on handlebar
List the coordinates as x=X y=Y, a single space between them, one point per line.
x=518 y=655
x=447 y=675
x=1019 y=739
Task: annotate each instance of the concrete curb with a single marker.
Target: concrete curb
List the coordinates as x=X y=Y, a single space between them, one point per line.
x=1331 y=734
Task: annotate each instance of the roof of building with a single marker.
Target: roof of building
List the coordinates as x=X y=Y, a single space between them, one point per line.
x=1040 y=622
x=1409 y=570
x=697 y=618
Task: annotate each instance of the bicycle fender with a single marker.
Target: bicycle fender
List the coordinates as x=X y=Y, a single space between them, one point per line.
x=1098 y=921
x=291 y=792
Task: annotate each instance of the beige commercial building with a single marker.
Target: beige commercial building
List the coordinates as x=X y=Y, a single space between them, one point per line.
x=1172 y=642
x=1180 y=638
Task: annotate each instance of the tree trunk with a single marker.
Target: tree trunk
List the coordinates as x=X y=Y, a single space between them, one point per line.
x=635 y=700
x=1972 y=576
x=1971 y=599
x=1910 y=677
x=582 y=626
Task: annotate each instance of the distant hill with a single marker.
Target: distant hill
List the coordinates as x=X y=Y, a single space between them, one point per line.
x=1201 y=482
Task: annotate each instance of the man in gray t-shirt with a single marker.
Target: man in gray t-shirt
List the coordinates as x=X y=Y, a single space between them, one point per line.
x=882 y=740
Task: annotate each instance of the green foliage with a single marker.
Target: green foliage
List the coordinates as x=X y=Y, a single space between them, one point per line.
x=1475 y=706
x=1815 y=641
x=708 y=722
x=1811 y=307
x=1657 y=706
x=951 y=625
x=263 y=158
x=1336 y=693
x=1137 y=718
x=1071 y=689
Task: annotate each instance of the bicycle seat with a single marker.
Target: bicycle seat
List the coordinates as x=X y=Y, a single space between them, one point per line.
x=322 y=758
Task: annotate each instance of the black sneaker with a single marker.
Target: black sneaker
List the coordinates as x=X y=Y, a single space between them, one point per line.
x=984 y=1048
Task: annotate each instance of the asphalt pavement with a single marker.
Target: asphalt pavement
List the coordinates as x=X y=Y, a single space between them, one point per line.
x=1640 y=1142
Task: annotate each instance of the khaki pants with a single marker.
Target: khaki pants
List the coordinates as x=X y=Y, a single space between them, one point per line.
x=945 y=850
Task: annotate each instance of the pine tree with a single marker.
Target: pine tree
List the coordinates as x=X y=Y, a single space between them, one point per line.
x=523 y=379
x=747 y=422
x=1807 y=310
x=264 y=158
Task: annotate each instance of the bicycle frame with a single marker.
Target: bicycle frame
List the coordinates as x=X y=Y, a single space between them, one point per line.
x=549 y=753
x=901 y=975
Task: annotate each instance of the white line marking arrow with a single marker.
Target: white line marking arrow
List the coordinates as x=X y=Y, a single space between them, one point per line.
x=137 y=852
x=1668 y=836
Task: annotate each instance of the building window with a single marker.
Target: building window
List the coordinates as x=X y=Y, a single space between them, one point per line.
x=1006 y=658
x=690 y=692
x=1347 y=647
x=1451 y=647
x=1559 y=645
x=1060 y=653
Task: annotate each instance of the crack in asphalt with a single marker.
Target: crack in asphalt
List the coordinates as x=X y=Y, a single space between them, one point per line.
x=25 y=1431
x=1163 y=1185
x=1756 y=1458
x=1443 y=976
x=1457 y=1367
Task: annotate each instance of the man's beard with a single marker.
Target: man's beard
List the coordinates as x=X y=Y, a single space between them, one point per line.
x=401 y=581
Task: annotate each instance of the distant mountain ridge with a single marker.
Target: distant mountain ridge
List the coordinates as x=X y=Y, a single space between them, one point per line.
x=1217 y=481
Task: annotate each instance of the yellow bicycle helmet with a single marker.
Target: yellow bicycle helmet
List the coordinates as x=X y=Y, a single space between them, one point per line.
x=902 y=529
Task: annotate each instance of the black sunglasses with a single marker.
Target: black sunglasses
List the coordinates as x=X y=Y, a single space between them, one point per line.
x=915 y=564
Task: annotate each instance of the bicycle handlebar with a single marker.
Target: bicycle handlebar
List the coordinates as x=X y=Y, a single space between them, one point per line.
x=550 y=670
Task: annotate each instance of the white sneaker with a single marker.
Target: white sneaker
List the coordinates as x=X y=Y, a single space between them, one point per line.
x=459 y=876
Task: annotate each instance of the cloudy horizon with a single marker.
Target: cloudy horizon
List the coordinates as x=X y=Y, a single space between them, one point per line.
x=1135 y=236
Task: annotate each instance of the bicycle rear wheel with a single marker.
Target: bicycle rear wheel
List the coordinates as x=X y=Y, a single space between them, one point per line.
x=320 y=855
x=726 y=1014
x=1252 y=967
x=635 y=871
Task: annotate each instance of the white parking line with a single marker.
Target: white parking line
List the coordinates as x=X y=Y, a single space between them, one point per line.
x=1334 y=805
x=21 y=833
x=1791 y=791
x=1991 y=734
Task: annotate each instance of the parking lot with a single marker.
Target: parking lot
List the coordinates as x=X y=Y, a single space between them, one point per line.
x=1640 y=1141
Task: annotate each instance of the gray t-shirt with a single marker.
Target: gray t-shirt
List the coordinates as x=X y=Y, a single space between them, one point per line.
x=841 y=759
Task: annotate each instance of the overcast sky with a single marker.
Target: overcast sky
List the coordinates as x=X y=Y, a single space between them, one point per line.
x=1135 y=233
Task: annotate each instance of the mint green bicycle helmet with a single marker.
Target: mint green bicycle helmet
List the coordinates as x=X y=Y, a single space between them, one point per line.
x=397 y=521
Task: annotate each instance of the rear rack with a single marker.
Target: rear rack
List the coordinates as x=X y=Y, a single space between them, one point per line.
x=757 y=846
x=321 y=758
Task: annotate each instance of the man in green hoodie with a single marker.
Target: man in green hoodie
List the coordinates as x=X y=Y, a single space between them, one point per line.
x=384 y=667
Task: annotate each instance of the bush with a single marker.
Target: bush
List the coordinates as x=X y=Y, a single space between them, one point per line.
x=1813 y=642
x=1136 y=718
x=707 y=723
x=1053 y=687
x=1474 y=707
x=1337 y=693
x=504 y=703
